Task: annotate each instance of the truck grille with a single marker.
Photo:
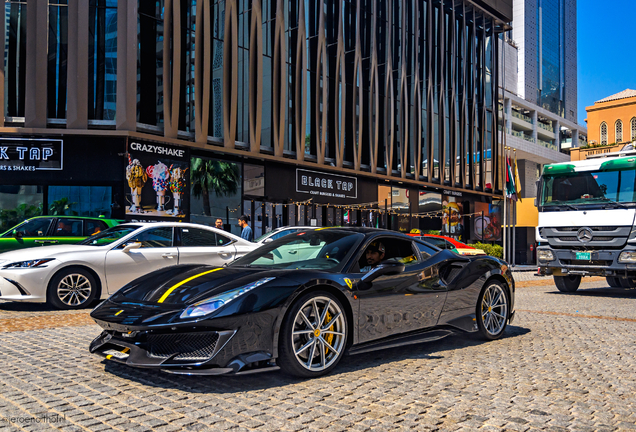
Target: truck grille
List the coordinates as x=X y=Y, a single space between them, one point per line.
x=187 y=346
x=603 y=237
x=594 y=263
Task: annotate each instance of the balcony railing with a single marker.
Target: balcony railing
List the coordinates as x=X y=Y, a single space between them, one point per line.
x=547 y=144
x=521 y=116
x=546 y=127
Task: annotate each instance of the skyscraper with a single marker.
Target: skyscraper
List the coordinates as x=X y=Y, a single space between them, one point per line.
x=545 y=32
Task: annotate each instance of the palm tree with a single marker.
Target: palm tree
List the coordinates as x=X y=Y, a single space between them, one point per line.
x=216 y=176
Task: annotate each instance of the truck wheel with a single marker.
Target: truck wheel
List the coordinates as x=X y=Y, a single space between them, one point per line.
x=567 y=283
x=627 y=282
x=613 y=281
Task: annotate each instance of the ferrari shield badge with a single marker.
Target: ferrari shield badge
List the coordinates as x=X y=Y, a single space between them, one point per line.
x=349 y=283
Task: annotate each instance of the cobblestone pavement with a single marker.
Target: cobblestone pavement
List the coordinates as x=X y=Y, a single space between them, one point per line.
x=566 y=363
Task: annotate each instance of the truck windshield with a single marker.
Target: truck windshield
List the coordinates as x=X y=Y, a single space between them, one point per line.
x=589 y=187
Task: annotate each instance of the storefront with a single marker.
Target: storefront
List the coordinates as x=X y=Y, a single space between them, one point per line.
x=147 y=180
x=59 y=175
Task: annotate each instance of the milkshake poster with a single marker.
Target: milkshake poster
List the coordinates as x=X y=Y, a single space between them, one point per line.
x=157 y=178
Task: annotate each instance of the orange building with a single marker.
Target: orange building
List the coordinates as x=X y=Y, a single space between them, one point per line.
x=612 y=120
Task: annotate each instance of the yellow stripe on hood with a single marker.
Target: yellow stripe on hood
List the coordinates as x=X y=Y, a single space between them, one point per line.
x=174 y=287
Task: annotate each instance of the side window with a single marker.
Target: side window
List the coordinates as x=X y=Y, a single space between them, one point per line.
x=67 y=227
x=35 y=228
x=450 y=246
x=197 y=237
x=440 y=243
x=222 y=240
x=425 y=250
x=402 y=251
x=93 y=227
x=154 y=238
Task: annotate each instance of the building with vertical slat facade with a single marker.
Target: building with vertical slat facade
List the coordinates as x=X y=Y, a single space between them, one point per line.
x=295 y=112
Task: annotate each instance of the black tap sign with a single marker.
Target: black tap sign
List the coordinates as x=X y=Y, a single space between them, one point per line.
x=26 y=154
x=328 y=185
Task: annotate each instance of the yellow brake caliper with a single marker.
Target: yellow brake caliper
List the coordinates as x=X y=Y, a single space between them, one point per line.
x=329 y=337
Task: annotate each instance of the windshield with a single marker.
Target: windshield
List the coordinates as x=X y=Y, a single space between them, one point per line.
x=109 y=236
x=317 y=250
x=589 y=187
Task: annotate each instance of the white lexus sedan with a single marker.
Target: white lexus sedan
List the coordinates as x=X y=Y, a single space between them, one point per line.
x=72 y=276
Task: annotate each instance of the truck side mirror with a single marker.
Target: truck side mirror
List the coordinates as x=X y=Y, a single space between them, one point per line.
x=536 y=203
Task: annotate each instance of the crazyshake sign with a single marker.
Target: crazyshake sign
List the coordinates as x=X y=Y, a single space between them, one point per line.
x=323 y=184
x=26 y=154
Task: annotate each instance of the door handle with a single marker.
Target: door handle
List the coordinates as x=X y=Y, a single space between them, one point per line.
x=293 y=252
x=47 y=241
x=168 y=255
x=225 y=254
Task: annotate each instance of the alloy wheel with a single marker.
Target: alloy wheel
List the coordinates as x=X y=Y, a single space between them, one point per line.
x=494 y=309
x=318 y=333
x=74 y=289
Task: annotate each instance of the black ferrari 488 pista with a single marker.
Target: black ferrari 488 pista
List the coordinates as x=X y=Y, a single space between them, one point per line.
x=300 y=303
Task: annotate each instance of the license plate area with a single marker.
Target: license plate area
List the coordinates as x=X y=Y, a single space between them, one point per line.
x=117 y=354
x=584 y=256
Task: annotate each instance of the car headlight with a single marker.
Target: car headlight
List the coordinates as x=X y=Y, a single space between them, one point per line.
x=207 y=306
x=627 y=257
x=545 y=255
x=28 y=264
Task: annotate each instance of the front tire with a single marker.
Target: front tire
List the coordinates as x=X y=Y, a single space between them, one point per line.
x=567 y=283
x=492 y=310
x=72 y=288
x=313 y=336
x=626 y=282
x=613 y=281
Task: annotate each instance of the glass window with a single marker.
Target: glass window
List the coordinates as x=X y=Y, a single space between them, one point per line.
x=15 y=57
x=589 y=187
x=603 y=133
x=222 y=240
x=34 y=228
x=18 y=203
x=619 y=131
x=92 y=227
x=318 y=250
x=154 y=238
x=110 y=235
x=216 y=191
x=92 y=201
x=254 y=180
x=150 y=63
x=197 y=237
x=102 y=59
x=66 y=227
x=57 y=59
x=425 y=250
x=633 y=123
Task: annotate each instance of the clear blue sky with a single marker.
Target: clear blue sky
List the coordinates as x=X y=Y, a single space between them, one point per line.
x=606 y=50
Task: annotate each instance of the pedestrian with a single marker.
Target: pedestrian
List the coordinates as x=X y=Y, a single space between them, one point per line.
x=219 y=223
x=247 y=231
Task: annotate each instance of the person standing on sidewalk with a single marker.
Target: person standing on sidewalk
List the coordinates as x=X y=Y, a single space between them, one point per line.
x=247 y=233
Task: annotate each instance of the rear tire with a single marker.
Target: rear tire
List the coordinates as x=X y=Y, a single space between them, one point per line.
x=72 y=288
x=567 y=283
x=613 y=281
x=492 y=310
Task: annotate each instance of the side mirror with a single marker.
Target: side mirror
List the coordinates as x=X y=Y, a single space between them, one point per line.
x=268 y=240
x=384 y=269
x=535 y=202
x=131 y=246
x=17 y=234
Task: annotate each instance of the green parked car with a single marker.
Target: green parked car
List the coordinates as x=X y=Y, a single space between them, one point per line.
x=49 y=230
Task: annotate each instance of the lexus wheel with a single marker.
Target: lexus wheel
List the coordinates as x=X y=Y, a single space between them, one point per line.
x=72 y=288
x=313 y=336
x=567 y=283
x=492 y=311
